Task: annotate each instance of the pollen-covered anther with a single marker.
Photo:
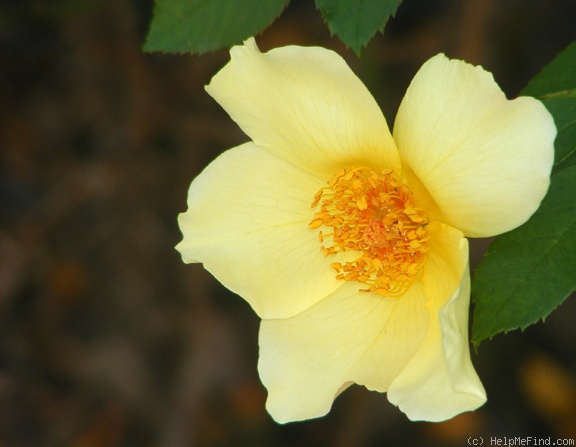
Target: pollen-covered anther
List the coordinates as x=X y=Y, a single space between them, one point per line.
x=372 y=213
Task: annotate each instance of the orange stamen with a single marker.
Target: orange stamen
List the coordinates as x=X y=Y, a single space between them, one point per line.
x=373 y=214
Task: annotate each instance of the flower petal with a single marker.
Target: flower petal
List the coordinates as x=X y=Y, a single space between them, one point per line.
x=350 y=337
x=484 y=160
x=247 y=222
x=445 y=264
x=440 y=382
x=305 y=105
x=306 y=360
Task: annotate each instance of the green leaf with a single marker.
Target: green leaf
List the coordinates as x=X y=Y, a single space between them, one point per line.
x=528 y=272
x=356 y=22
x=564 y=112
x=199 y=26
x=557 y=78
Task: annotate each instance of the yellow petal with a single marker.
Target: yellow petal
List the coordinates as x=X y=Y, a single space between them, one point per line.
x=399 y=336
x=363 y=338
x=439 y=382
x=305 y=105
x=247 y=221
x=306 y=360
x=389 y=353
x=483 y=159
x=445 y=264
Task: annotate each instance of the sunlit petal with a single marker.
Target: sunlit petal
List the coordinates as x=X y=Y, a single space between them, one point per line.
x=445 y=263
x=305 y=105
x=306 y=359
x=440 y=382
x=483 y=159
x=396 y=320
x=247 y=221
x=389 y=353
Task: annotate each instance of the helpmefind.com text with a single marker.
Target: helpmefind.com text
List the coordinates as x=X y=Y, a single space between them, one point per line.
x=518 y=440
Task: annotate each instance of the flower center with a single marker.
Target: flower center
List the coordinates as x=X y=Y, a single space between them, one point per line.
x=372 y=213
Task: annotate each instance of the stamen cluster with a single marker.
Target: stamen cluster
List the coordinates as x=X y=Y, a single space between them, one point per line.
x=372 y=213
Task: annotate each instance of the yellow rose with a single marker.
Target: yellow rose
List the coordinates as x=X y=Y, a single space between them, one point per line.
x=349 y=242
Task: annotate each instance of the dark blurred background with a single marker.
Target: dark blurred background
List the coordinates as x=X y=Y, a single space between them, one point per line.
x=106 y=337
